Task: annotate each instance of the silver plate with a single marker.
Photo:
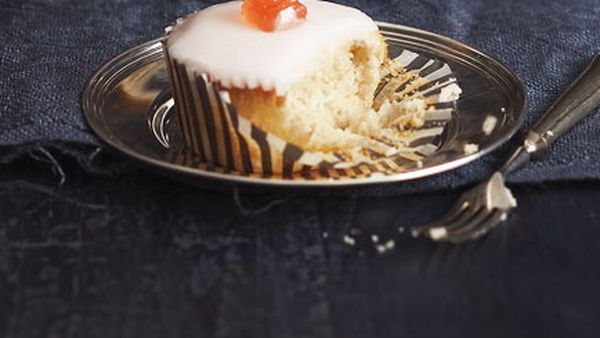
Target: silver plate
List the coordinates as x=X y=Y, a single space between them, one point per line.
x=125 y=104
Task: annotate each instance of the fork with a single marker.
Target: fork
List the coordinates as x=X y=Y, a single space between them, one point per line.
x=489 y=203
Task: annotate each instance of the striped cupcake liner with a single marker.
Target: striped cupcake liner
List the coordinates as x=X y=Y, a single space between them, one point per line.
x=219 y=139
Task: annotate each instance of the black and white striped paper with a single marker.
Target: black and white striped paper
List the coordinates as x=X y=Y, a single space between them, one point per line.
x=218 y=139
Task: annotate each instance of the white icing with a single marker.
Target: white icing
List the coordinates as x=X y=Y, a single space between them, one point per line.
x=217 y=41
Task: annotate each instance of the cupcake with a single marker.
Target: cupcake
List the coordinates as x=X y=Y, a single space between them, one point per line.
x=276 y=86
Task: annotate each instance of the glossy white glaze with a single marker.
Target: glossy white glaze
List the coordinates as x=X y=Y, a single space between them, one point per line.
x=217 y=41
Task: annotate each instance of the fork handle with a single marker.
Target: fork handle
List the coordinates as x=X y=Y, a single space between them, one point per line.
x=577 y=102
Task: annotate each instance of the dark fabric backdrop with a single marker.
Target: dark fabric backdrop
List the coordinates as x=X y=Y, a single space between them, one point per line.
x=92 y=246
x=51 y=48
x=141 y=256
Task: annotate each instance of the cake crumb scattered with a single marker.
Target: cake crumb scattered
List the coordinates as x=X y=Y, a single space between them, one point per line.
x=450 y=93
x=325 y=235
x=349 y=240
x=390 y=245
x=438 y=233
x=386 y=247
x=375 y=238
x=471 y=148
x=489 y=124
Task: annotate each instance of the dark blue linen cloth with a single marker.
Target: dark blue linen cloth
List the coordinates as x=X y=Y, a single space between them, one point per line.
x=137 y=255
x=51 y=48
x=141 y=256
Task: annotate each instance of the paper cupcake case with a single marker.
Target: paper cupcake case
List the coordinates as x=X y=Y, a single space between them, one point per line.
x=219 y=139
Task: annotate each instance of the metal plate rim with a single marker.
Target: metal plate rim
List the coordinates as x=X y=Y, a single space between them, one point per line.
x=105 y=135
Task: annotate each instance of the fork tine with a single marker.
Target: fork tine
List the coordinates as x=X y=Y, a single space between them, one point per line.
x=455 y=212
x=477 y=228
x=459 y=228
x=459 y=213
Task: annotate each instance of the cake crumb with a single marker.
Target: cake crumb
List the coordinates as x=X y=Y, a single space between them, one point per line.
x=471 y=148
x=390 y=245
x=450 y=93
x=386 y=247
x=375 y=238
x=349 y=240
x=489 y=124
x=325 y=235
x=438 y=233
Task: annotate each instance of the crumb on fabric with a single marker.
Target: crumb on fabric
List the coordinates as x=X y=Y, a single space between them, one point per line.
x=349 y=240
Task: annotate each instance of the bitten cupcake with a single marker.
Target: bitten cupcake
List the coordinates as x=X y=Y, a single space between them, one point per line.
x=257 y=81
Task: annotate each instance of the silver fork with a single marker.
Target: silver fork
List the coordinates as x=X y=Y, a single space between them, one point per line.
x=488 y=204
